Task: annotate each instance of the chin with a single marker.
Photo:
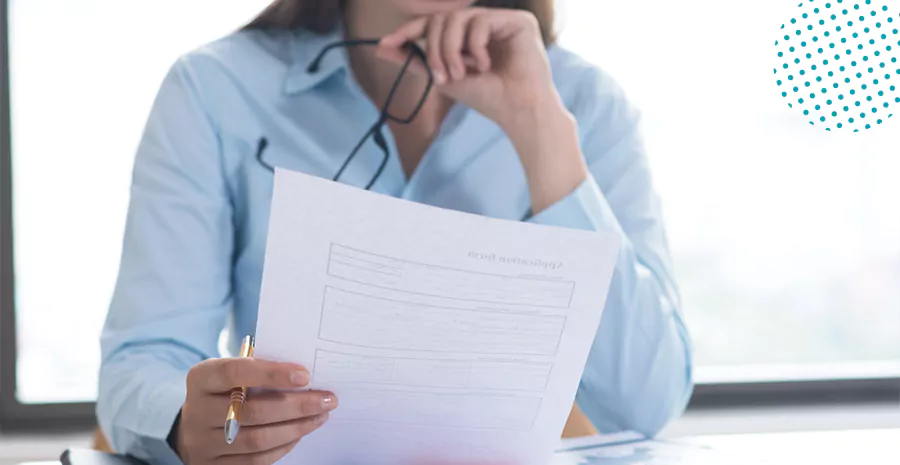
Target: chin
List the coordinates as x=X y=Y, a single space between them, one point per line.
x=430 y=7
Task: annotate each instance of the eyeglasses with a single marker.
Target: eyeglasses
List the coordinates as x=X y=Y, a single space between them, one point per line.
x=376 y=132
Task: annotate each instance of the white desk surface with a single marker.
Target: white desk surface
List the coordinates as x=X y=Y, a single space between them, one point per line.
x=863 y=447
x=796 y=436
x=845 y=435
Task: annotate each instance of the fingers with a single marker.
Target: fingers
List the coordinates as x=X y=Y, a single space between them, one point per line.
x=224 y=374
x=409 y=32
x=264 y=408
x=253 y=439
x=278 y=407
x=260 y=458
x=434 y=36
x=398 y=56
x=455 y=43
x=431 y=28
x=452 y=42
x=477 y=42
x=390 y=46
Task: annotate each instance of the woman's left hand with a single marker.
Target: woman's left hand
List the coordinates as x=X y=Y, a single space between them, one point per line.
x=493 y=60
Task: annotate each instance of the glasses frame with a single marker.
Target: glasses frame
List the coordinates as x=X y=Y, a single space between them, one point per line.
x=376 y=131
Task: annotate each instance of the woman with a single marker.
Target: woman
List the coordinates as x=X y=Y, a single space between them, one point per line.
x=513 y=125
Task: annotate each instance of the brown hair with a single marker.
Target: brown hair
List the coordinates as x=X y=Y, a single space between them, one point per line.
x=321 y=16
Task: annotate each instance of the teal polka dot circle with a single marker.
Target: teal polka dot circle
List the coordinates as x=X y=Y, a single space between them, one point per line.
x=843 y=51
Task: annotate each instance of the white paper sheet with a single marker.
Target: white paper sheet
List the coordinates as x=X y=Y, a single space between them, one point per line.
x=445 y=336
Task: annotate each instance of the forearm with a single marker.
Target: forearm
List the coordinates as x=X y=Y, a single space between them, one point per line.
x=142 y=389
x=638 y=375
x=546 y=140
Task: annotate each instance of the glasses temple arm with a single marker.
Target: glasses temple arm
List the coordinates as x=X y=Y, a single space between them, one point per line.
x=260 y=148
x=373 y=129
x=314 y=64
x=382 y=144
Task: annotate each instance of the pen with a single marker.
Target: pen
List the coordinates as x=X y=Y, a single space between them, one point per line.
x=238 y=397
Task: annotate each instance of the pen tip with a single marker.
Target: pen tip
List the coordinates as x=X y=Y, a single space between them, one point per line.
x=231 y=430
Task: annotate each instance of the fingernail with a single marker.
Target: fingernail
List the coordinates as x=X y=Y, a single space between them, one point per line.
x=329 y=403
x=439 y=77
x=300 y=378
x=321 y=419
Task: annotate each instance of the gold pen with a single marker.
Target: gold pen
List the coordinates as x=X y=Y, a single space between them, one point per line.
x=238 y=397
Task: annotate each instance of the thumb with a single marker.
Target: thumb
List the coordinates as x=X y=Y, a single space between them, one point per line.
x=399 y=56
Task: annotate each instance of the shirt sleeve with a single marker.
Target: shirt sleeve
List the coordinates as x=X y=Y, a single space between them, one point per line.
x=174 y=286
x=638 y=373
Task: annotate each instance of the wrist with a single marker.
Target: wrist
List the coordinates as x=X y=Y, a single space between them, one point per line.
x=547 y=142
x=546 y=139
x=537 y=113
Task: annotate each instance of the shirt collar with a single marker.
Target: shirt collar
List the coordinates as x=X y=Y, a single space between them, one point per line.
x=305 y=46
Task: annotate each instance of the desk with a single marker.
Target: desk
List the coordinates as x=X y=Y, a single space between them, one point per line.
x=877 y=446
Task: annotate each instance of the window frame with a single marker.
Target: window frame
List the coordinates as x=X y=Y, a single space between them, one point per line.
x=17 y=416
x=14 y=415
x=816 y=392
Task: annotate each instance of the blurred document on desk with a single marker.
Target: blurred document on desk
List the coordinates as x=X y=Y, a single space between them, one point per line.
x=445 y=335
x=629 y=448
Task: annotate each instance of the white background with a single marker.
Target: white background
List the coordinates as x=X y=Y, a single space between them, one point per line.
x=786 y=238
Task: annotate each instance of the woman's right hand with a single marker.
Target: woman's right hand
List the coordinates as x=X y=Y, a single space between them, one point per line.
x=272 y=423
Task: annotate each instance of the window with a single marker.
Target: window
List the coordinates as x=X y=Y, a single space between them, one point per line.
x=83 y=75
x=785 y=238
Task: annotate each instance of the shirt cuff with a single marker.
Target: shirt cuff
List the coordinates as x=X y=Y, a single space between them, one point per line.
x=585 y=208
x=163 y=408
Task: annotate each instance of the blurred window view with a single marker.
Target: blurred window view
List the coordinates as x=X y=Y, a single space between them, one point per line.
x=83 y=75
x=786 y=238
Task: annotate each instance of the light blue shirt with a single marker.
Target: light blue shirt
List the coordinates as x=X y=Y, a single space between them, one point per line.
x=192 y=258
